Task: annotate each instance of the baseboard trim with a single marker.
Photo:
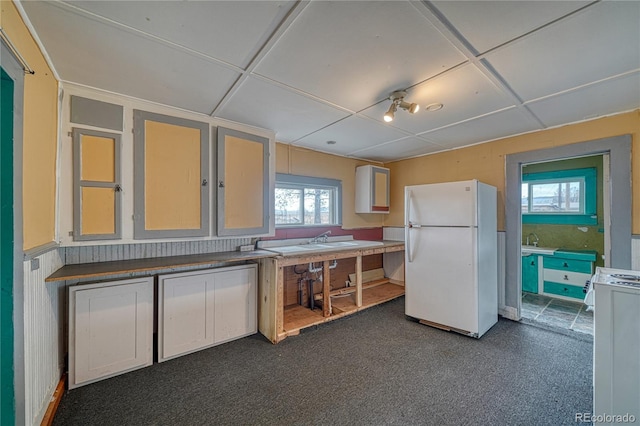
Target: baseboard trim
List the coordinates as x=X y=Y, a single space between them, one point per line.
x=47 y=420
x=509 y=313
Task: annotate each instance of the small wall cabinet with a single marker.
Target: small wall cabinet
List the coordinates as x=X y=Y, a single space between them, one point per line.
x=110 y=329
x=200 y=309
x=243 y=184
x=372 y=189
x=96 y=185
x=171 y=157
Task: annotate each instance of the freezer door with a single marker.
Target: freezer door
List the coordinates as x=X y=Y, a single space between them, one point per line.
x=441 y=204
x=440 y=280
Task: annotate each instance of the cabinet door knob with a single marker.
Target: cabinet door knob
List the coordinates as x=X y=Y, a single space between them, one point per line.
x=204 y=182
x=533 y=263
x=220 y=184
x=566 y=278
x=117 y=188
x=565 y=264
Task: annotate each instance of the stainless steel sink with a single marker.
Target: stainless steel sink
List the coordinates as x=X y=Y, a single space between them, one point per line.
x=537 y=250
x=293 y=250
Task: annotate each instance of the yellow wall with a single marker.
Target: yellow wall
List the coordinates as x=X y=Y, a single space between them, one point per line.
x=39 y=134
x=486 y=162
x=301 y=161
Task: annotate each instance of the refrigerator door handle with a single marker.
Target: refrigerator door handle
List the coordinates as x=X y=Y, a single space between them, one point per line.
x=408 y=243
x=409 y=225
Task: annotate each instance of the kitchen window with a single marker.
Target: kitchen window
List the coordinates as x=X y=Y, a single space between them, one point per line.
x=307 y=201
x=560 y=197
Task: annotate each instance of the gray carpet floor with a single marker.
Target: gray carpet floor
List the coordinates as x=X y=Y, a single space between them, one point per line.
x=373 y=368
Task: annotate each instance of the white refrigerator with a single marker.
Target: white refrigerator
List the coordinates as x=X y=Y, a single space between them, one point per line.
x=451 y=256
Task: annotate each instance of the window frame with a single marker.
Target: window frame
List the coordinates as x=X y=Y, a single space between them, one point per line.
x=589 y=197
x=307 y=182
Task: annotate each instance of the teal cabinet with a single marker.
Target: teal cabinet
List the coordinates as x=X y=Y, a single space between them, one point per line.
x=530 y=273
x=566 y=272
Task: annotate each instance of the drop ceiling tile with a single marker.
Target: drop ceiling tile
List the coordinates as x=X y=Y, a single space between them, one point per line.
x=289 y=114
x=210 y=27
x=494 y=126
x=598 y=42
x=351 y=134
x=403 y=148
x=487 y=24
x=464 y=92
x=608 y=97
x=116 y=60
x=354 y=53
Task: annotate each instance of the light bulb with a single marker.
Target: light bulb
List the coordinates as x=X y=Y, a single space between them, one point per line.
x=388 y=116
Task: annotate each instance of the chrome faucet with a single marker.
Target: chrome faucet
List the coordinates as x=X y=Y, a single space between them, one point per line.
x=535 y=243
x=320 y=238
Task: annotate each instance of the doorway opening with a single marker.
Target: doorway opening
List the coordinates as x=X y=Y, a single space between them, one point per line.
x=618 y=242
x=564 y=225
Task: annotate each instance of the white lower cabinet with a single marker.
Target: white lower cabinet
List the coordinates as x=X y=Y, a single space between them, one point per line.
x=200 y=309
x=110 y=329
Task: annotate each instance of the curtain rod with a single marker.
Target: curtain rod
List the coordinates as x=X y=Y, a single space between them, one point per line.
x=27 y=69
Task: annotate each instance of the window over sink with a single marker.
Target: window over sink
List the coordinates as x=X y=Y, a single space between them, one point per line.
x=307 y=201
x=560 y=197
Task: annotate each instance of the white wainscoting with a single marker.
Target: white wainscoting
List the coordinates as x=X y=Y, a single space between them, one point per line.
x=44 y=337
x=106 y=253
x=45 y=307
x=502 y=272
x=393 y=233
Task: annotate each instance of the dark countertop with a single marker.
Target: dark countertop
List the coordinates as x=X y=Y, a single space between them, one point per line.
x=156 y=264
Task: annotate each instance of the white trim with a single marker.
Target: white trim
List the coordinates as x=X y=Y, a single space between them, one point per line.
x=509 y=313
x=36 y=38
x=34 y=252
x=606 y=204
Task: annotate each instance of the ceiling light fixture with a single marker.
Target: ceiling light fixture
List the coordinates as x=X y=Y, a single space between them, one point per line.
x=397 y=100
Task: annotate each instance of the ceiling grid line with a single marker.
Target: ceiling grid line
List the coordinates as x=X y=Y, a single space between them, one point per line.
x=317 y=71
x=473 y=56
x=115 y=24
x=282 y=28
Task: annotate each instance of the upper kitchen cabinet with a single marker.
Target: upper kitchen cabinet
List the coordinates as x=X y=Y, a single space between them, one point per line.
x=243 y=183
x=372 y=189
x=96 y=185
x=171 y=174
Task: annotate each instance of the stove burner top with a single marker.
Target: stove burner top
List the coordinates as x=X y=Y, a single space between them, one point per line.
x=626 y=277
x=628 y=283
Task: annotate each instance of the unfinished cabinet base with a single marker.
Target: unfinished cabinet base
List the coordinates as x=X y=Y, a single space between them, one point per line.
x=278 y=320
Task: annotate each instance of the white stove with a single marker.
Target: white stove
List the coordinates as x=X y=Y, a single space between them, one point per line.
x=615 y=296
x=610 y=276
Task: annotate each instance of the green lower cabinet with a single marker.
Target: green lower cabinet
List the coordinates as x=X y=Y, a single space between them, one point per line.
x=530 y=274
x=563 y=290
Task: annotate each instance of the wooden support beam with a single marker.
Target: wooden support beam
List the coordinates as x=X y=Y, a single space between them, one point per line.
x=280 y=310
x=359 y=281
x=326 y=289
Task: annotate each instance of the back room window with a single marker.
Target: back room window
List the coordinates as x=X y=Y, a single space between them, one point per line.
x=560 y=197
x=307 y=201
